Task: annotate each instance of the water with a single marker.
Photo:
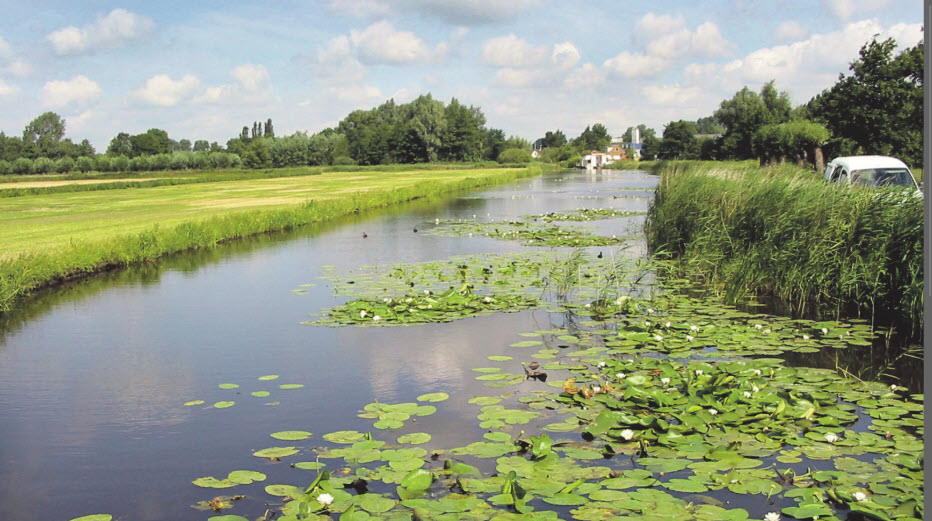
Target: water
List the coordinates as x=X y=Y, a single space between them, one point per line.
x=93 y=376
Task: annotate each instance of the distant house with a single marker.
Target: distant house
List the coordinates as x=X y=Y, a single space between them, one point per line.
x=536 y=153
x=596 y=159
x=617 y=153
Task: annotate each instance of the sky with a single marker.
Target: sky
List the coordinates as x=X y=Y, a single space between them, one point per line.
x=205 y=69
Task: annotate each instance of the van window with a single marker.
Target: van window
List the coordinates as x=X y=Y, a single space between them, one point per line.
x=839 y=174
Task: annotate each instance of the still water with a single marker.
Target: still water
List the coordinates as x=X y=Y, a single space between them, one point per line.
x=94 y=376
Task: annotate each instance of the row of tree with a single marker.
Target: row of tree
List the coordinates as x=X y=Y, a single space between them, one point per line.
x=180 y=160
x=877 y=109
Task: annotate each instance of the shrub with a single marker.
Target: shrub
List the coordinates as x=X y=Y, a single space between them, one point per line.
x=87 y=163
x=119 y=164
x=200 y=161
x=139 y=163
x=102 y=163
x=22 y=166
x=5 y=167
x=344 y=160
x=159 y=162
x=64 y=165
x=180 y=161
x=514 y=155
x=42 y=165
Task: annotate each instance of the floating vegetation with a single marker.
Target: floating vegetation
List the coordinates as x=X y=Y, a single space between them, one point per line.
x=583 y=214
x=528 y=233
x=424 y=308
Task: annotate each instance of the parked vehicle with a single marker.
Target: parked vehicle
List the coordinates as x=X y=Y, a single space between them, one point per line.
x=870 y=171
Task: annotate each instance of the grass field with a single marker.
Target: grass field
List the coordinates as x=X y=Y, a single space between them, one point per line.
x=49 y=237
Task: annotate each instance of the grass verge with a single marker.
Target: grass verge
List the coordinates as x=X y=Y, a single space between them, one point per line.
x=56 y=237
x=782 y=232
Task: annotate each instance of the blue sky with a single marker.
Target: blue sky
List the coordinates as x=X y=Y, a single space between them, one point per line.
x=203 y=70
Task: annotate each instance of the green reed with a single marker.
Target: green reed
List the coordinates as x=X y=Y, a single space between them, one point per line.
x=781 y=231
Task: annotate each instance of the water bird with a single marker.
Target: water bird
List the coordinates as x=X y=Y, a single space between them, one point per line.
x=415 y=230
x=364 y=235
x=599 y=255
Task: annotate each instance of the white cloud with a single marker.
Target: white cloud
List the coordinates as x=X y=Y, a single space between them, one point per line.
x=668 y=95
x=473 y=12
x=251 y=77
x=667 y=36
x=119 y=27
x=790 y=31
x=7 y=90
x=161 y=90
x=628 y=65
x=381 y=43
x=355 y=93
x=565 y=55
x=18 y=68
x=586 y=76
x=511 y=51
x=335 y=62
x=79 y=89
x=651 y=26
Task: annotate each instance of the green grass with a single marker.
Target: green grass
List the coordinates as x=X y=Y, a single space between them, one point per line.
x=52 y=237
x=783 y=232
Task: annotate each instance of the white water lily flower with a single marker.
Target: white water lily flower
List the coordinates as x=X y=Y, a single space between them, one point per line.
x=892 y=387
x=694 y=328
x=627 y=434
x=755 y=388
x=362 y=314
x=601 y=364
x=758 y=326
x=596 y=389
x=658 y=338
x=409 y=300
x=767 y=331
x=325 y=499
x=698 y=372
x=757 y=372
x=831 y=437
x=747 y=394
x=772 y=516
x=824 y=330
x=427 y=292
x=713 y=412
x=805 y=337
x=376 y=318
x=859 y=496
x=620 y=376
x=488 y=299
x=649 y=311
x=437 y=221
x=588 y=306
x=665 y=381
x=689 y=338
x=647 y=323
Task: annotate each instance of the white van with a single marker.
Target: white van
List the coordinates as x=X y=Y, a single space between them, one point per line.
x=870 y=171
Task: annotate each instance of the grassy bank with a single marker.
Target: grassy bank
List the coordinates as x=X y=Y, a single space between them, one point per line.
x=54 y=237
x=783 y=232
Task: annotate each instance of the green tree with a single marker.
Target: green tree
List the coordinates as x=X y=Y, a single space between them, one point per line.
x=120 y=145
x=461 y=138
x=427 y=119
x=593 y=138
x=21 y=166
x=679 y=141
x=551 y=139
x=745 y=113
x=84 y=148
x=183 y=145
x=154 y=141
x=269 y=130
x=201 y=145
x=493 y=144
x=878 y=108
x=86 y=163
x=46 y=131
x=795 y=141
x=708 y=125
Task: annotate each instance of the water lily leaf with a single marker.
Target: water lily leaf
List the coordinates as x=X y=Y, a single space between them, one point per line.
x=344 y=436
x=95 y=517
x=414 y=438
x=284 y=491
x=433 y=397
x=309 y=465
x=194 y=402
x=499 y=358
x=268 y=377
x=808 y=511
x=291 y=386
x=228 y=517
x=527 y=343
x=212 y=482
x=224 y=405
x=565 y=500
x=485 y=400
x=685 y=485
x=260 y=394
x=275 y=452
x=418 y=479
x=291 y=435
x=229 y=386
x=245 y=477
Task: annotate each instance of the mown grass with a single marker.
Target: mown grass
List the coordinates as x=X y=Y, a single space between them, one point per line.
x=781 y=231
x=49 y=238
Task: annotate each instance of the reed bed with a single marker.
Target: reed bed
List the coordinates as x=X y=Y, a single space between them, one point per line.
x=825 y=250
x=22 y=273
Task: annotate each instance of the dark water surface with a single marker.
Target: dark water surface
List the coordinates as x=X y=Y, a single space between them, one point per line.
x=94 y=376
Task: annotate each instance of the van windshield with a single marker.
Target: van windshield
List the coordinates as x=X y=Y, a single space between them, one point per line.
x=883 y=177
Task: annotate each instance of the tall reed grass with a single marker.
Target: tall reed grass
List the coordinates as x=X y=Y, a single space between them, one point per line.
x=25 y=273
x=780 y=231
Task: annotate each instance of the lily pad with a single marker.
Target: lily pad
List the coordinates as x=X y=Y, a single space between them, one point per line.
x=275 y=452
x=291 y=435
x=224 y=405
x=433 y=397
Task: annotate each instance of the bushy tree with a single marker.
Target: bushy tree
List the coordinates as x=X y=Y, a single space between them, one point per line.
x=120 y=163
x=795 y=141
x=86 y=163
x=515 y=155
x=461 y=139
x=64 y=165
x=139 y=163
x=45 y=132
x=679 y=141
x=595 y=137
x=201 y=145
x=5 y=167
x=120 y=145
x=22 y=166
x=43 y=165
x=878 y=108
x=200 y=161
x=745 y=113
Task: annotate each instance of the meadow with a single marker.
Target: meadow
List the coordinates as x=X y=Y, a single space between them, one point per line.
x=78 y=229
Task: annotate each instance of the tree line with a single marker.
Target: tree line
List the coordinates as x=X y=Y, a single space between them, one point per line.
x=877 y=109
